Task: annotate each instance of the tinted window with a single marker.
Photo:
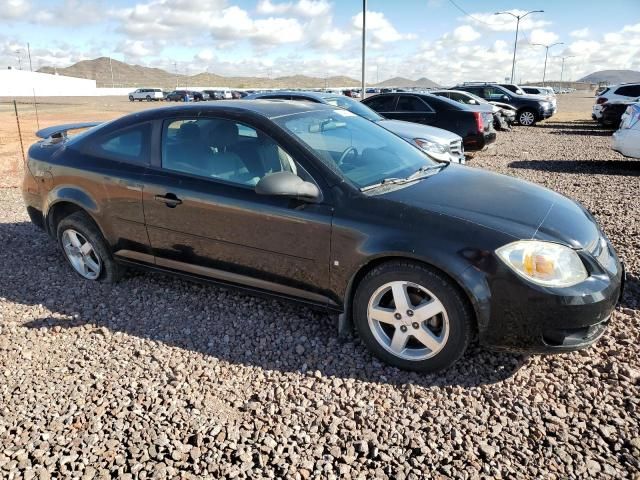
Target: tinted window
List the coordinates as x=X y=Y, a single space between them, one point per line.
x=221 y=149
x=131 y=145
x=382 y=103
x=408 y=103
x=629 y=90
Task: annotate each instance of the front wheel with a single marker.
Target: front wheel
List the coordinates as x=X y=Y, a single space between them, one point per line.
x=86 y=250
x=412 y=317
x=148 y=98
x=527 y=118
x=131 y=98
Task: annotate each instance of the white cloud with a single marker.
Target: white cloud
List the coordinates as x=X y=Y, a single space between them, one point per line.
x=543 y=37
x=301 y=8
x=379 y=29
x=465 y=33
x=581 y=33
x=13 y=9
x=235 y=24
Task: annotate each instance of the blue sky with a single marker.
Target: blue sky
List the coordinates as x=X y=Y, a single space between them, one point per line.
x=411 y=38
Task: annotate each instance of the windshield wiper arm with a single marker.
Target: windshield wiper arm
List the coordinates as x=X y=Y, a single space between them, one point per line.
x=386 y=181
x=426 y=168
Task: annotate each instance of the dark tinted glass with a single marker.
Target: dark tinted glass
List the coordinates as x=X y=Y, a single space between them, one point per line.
x=383 y=103
x=131 y=145
x=411 y=104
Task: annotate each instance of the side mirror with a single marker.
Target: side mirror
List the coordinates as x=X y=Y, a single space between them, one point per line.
x=287 y=184
x=506 y=98
x=473 y=101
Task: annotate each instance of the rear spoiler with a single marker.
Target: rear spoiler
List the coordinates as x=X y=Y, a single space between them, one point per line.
x=60 y=131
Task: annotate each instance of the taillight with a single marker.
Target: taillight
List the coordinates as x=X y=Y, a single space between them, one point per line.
x=479 y=122
x=601 y=100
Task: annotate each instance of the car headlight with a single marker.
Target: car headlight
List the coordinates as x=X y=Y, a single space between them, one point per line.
x=544 y=263
x=433 y=148
x=545 y=105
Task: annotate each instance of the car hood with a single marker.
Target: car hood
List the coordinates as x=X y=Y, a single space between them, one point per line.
x=409 y=130
x=502 y=203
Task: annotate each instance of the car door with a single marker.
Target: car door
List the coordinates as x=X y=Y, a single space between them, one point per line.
x=411 y=108
x=117 y=162
x=203 y=215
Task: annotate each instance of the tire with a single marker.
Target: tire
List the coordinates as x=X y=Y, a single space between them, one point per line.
x=527 y=117
x=80 y=225
x=131 y=98
x=148 y=98
x=448 y=331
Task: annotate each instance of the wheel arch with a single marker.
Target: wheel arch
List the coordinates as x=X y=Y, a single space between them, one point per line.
x=459 y=281
x=66 y=201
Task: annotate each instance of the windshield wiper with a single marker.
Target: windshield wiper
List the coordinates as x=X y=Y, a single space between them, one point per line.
x=417 y=175
x=386 y=181
x=425 y=168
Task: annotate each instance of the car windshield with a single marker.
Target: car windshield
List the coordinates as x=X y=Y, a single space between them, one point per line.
x=354 y=106
x=363 y=152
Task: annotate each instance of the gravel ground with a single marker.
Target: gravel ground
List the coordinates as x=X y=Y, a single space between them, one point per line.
x=160 y=378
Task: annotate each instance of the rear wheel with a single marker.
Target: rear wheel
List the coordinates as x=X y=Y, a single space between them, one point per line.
x=131 y=98
x=148 y=98
x=412 y=317
x=86 y=250
x=527 y=118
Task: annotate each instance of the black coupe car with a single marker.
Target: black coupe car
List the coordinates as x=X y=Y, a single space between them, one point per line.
x=473 y=123
x=316 y=204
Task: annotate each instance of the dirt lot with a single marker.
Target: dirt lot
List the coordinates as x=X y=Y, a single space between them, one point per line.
x=159 y=378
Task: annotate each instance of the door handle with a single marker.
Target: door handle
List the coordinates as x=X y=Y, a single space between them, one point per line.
x=170 y=200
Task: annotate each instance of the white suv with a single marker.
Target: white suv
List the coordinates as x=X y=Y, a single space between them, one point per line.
x=615 y=93
x=147 y=94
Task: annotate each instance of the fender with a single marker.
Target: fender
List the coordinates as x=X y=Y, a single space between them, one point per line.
x=71 y=194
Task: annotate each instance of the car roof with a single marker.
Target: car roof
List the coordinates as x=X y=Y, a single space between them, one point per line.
x=266 y=108
x=297 y=93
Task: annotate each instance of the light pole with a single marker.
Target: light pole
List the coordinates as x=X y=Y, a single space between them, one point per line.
x=547 y=47
x=19 y=54
x=515 y=44
x=364 y=36
x=562 y=70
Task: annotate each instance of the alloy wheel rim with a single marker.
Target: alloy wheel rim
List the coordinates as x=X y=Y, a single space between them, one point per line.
x=526 y=118
x=408 y=320
x=81 y=254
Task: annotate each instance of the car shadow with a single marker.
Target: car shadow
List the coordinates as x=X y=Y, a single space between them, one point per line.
x=592 y=167
x=217 y=322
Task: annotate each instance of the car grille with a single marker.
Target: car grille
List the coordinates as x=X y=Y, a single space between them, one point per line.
x=455 y=147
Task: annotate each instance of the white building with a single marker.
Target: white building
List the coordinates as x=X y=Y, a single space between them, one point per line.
x=23 y=83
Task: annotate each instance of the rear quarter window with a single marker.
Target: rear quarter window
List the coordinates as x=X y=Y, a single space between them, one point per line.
x=129 y=145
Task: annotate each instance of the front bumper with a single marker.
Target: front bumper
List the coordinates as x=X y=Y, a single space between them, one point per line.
x=527 y=318
x=544 y=114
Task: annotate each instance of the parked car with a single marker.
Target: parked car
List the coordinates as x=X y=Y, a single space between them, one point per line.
x=214 y=94
x=533 y=90
x=439 y=144
x=148 y=94
x=332 y=210
x=622 y=92
x=530 y=108
x=472 y=123
x=181 y=96
x=502 y=118
x=612 y=112
x=627 y=139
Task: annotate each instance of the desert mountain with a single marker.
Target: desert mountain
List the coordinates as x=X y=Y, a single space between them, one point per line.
x=125 y=75
x=612 y=76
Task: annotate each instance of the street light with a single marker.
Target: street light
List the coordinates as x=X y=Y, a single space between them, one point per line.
x=364 y=37
x=547 y=47
x=19 y=54
x=515 y=44
x=562 y=70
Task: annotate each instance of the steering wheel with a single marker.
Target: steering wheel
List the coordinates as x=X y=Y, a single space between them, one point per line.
x=347 y=152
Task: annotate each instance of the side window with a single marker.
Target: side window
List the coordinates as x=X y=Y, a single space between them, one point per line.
x=130 y=145
x=383 y=103
x=408 y=103
x=629 y=90
x=493 y=93
x=221 y=149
